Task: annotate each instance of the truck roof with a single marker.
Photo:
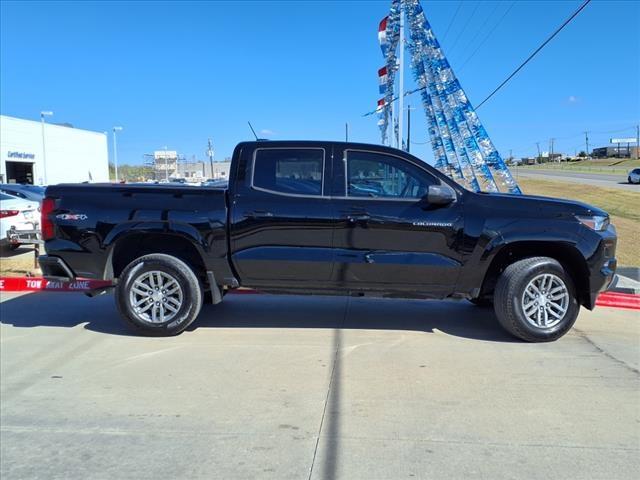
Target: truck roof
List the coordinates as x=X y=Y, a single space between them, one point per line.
x=321 y=143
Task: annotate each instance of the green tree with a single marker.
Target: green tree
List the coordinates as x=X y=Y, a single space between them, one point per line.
x=131 y=173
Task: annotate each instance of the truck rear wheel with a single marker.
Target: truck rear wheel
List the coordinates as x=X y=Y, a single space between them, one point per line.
x=158 y=295
x=535 y=300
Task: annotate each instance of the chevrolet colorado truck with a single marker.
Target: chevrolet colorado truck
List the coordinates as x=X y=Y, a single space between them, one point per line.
x=310 y=217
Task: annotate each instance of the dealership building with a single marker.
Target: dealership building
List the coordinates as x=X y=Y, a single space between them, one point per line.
x=46 y=154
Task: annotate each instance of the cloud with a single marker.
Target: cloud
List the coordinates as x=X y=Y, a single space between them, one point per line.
x=266 y=132
x=572 y=99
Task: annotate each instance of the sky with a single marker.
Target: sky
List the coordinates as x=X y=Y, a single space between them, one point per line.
x=174 y=74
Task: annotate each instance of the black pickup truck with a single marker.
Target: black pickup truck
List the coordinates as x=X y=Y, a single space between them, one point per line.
x=302 y=217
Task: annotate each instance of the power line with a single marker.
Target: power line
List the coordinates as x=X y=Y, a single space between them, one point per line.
x=464 y=28
x=614 y=131
x=452 y=20
x=488 y=35
x=566 y=22
x=588 y=135
x=481 y=29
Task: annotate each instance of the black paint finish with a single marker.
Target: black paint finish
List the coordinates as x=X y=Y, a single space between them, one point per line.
x=331 y=243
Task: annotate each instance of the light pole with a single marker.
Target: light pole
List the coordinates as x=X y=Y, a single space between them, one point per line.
x=210 y=154
x=44 y=150
x=115 y=150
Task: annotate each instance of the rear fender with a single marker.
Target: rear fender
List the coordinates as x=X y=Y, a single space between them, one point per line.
x=131 y=229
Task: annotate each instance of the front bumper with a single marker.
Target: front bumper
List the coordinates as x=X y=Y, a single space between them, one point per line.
x=602 y=264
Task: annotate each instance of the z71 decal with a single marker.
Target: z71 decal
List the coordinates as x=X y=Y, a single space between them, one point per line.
x=71 y=216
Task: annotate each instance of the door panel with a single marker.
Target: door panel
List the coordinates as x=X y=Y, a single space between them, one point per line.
x=391 y=239
x=281 y=223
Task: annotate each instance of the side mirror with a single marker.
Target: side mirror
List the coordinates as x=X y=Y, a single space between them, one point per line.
x=440 y=195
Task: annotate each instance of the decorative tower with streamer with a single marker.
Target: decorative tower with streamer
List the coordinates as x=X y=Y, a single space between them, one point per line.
x=461 y=146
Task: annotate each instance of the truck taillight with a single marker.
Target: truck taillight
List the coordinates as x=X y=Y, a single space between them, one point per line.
x=46 y=225
x=8 y=213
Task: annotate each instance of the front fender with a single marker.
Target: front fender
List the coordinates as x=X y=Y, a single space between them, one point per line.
x=537 y=235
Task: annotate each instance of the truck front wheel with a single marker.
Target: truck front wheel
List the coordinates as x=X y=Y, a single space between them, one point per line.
x=158 y=295
x=535 y=300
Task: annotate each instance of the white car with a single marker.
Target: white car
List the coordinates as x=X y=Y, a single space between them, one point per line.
x=634 y=176
x=17 y=214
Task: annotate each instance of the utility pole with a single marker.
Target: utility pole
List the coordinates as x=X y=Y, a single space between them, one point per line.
x=346 y=132
x=408 y=128
x=637 y=142
x=586 y=143
x=539 y=156
x=551 y=140
x=210 y=155
x=166 y=164
x=401 y=79
x=510 y=156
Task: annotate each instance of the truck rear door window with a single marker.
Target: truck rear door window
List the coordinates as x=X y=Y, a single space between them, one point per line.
x=289 y=171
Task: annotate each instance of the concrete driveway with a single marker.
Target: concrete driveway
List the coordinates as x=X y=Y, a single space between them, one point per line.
x=313 y=387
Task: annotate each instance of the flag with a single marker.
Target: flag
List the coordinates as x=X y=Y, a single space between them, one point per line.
x=382 y=79
x=381 y=104
x=382 y=35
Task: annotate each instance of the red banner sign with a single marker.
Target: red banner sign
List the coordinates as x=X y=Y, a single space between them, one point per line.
x=34 y=284
x=27 y=284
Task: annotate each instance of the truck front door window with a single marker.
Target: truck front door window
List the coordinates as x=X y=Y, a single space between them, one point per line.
x=374 y=175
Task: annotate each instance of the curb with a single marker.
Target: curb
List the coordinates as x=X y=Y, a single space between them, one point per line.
x=624 y=284
x=35 y=284
x=619 y=300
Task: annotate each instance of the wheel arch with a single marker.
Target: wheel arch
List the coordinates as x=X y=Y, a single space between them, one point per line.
x=566 y=254
x=133 y=245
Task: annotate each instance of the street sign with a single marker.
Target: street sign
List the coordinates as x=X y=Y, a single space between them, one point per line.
x=623 y=140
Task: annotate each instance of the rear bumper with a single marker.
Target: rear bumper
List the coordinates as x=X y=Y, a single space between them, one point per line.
x=54 y=268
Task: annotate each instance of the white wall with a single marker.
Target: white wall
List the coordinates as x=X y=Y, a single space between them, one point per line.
x=220 y=169
x=72 y=155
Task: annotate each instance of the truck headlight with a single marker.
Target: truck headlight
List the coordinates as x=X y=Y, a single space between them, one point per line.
x=594 y=222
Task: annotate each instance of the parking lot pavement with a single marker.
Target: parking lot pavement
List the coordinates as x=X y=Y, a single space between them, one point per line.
x=313 y=387
x=618 y=181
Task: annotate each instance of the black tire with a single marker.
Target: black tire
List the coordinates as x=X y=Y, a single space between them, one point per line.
x=510 y=291
x=484 y=302
x=176 y=269
x=629 y=180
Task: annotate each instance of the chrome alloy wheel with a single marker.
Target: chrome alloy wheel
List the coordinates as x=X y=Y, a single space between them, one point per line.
x=545 y=301
x=155 y=297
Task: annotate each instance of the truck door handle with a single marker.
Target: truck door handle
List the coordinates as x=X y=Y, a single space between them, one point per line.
x=258 y=214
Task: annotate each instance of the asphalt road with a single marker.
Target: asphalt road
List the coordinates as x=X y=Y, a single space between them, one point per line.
x=320 y=388
x=596 y=179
